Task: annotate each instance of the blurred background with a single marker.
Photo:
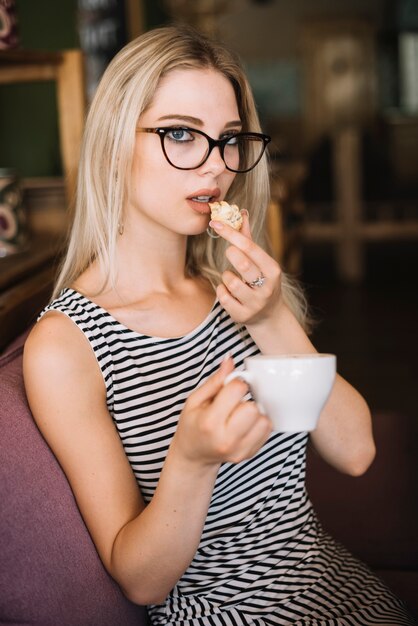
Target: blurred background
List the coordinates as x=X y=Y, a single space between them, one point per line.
x=336 y=85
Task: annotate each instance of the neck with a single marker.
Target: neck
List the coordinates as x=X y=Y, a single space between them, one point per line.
x=152 y=258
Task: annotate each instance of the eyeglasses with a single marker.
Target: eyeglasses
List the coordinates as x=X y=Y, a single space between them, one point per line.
x=188 y=149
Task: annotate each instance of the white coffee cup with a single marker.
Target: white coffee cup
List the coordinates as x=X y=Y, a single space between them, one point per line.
x=290 y=389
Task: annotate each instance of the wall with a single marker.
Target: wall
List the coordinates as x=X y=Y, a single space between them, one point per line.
x=271 y=30
x=268 y=38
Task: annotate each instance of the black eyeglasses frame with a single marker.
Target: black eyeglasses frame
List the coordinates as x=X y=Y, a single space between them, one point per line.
x=213 y=143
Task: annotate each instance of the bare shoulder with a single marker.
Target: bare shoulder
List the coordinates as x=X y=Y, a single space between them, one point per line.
x=60 y=369
x=57 y=348
x=53 y=332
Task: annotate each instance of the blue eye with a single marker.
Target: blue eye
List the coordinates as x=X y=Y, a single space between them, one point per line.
x=179 y=134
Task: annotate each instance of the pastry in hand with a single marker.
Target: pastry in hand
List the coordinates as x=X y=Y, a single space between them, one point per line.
x=226 y=213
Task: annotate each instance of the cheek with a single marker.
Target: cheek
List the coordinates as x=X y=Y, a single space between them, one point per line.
x=226 y=180
x=147 y=163
x=148 y=172
x=155 y=184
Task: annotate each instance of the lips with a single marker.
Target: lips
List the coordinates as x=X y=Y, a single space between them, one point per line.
x=202 y=197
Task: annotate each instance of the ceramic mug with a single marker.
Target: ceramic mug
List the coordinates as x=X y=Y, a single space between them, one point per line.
x=291 y=389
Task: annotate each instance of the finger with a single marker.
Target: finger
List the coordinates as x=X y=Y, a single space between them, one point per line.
x=257 y=255
x=251 y=443
x=242 y=419
x=232 y=306
x=208 y=390
x=242 y=263
x=237 y=287
x=228 y=399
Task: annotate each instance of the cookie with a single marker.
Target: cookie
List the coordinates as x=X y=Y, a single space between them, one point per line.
x=226 y=213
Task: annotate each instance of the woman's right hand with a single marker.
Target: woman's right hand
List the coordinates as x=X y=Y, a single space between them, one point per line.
x=217 y=425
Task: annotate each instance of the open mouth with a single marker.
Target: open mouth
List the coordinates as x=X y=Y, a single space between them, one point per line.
x=199 y=200
x=202 y=199
x=200 y=203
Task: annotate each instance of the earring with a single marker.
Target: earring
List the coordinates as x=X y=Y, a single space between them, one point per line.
x=121 y=228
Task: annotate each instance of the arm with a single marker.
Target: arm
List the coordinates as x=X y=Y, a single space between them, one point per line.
x=344 y=434
x=145 y=548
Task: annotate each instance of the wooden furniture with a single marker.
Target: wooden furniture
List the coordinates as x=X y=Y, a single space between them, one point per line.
x=274 y=228
x=349 y=229
x=26 y=280
x=67 y=70
x=285 y=214
x=341 y=76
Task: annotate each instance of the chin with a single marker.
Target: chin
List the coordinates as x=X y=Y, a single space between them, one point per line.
x=193 y=229
x=195 y=232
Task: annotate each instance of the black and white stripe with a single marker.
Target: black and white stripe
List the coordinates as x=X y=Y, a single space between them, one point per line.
x=263 y=558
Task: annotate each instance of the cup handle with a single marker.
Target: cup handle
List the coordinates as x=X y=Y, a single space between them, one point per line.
x=245 y=376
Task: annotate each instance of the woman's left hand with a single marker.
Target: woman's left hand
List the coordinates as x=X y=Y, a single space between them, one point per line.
x=248 y=304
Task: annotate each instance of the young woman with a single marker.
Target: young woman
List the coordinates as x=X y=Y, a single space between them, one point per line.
x=195 y=506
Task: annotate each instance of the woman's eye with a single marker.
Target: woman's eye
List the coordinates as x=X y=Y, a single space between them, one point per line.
x=232 y=141
x=180 y=134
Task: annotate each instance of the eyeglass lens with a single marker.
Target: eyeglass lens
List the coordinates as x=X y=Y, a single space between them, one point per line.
x=189 y=149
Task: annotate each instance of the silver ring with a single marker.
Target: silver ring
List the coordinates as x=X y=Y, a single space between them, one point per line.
x=258 y=282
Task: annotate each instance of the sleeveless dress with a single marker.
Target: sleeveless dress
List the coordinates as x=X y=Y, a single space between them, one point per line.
x=263 y=558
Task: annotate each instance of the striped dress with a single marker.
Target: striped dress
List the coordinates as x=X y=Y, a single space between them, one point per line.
x=263 y=557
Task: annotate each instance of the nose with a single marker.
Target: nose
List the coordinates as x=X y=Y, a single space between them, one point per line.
x=214 y=164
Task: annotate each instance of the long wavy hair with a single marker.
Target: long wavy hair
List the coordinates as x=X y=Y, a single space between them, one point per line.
x=125 y=91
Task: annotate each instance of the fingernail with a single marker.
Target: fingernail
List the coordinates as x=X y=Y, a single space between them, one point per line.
x=216 y=225
x=245 y=211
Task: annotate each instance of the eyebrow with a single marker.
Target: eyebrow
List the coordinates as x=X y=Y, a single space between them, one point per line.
x=195 y=120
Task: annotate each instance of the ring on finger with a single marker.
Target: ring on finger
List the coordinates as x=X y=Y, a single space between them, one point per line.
x=258 y=282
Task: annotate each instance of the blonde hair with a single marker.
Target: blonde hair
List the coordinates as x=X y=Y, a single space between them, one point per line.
x=125 y=91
